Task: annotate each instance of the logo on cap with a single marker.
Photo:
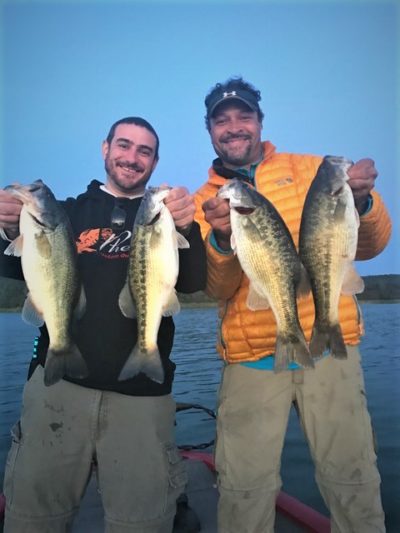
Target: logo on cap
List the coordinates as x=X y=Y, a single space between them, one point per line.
x=232 y=93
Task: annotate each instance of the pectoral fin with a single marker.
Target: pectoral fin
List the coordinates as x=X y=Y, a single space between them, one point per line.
x=126 y=302
x=81 y=305
x=182 y=242
x=172 y=305
x=31 y=314
x=256 y=301
x=233 y=243
x=352 y=282
x=15 y=247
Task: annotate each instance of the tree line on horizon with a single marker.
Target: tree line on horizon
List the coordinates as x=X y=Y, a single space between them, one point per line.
x=381 y=287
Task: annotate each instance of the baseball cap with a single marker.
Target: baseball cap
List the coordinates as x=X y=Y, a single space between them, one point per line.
x=243 y=95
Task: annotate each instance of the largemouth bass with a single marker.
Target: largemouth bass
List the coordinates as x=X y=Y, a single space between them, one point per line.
x=268 y=257
x=49 y=263
x=327 y=247
x=149 y=292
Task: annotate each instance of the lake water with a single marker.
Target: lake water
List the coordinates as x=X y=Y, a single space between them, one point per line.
x=197 y=380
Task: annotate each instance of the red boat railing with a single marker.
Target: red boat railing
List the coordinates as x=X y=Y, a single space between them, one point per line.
x=298 y=512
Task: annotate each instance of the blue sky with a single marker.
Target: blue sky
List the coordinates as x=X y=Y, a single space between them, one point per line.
x=328 y=72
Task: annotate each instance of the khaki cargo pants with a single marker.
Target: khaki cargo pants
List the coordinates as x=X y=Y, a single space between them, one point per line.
x=62 y=429
x=253 y=413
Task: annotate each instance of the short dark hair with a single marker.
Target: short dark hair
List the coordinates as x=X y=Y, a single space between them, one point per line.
x=138 y=121
x=230 y=85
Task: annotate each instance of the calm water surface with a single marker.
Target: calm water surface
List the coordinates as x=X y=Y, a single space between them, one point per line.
x=197 y=379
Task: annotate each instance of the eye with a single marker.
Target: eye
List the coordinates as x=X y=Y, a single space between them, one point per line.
x=123 y=145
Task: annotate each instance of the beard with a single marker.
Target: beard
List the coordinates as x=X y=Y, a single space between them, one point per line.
x=235 y=155
x=126 y=184
x=235 y=158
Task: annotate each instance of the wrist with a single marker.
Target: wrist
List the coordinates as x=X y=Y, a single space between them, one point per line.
x=185 y=230
x=9 y=234
x=215 y=245
x=363 y=205
x=223 y=242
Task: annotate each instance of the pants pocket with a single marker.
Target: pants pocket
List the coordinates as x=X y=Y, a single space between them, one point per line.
x=177 y=473
x=16 y=437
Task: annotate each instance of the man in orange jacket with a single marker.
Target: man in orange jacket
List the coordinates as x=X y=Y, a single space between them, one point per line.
x=254 y=401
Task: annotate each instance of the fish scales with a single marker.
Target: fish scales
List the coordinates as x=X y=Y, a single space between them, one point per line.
x=264 y=233
x=149 y=292
x=267 y=254
x=147 y=281
x=49 y=262
x=327 y=247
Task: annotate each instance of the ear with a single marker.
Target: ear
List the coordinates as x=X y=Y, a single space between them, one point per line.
x=104 y=149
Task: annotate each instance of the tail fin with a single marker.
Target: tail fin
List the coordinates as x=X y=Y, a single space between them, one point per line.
x=64 y=363
x=328 y=337
x=147 y=362
x=290 y=349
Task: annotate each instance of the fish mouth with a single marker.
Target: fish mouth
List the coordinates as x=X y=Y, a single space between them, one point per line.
x=337 y=192
x=244 y=210
x=236 y=194
x=37 y=221
x=35 y=186
x=152 y=205
x=24 y=192
x=153 y=220
x=343 y=163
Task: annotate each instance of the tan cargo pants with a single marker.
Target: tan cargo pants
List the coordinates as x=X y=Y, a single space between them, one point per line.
x=62 y=429
x=253 y=413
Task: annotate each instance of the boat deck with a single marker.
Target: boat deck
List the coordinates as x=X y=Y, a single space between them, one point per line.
x=292 y=516
x=202 y=494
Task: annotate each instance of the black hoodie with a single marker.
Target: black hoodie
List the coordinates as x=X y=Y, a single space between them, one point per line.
x=104 y=336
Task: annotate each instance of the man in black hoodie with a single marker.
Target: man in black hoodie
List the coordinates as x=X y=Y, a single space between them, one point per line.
x=126 y=427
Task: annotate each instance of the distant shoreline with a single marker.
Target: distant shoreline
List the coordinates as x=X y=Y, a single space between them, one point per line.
x=383 y=288
x=206 y=305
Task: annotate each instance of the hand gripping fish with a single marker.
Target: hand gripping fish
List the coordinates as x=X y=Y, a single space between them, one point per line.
x=49 y=263
x=327 y=247
x=268 y=257
x=149 y=292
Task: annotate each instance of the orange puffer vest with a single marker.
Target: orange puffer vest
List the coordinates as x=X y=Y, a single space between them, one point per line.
x=284 y=179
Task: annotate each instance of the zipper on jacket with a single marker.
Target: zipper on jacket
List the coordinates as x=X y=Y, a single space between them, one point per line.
x=221 y=338
x=360 y=319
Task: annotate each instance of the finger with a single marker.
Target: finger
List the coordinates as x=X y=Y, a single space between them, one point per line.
x=8 y=198
x=9 y=222
x=363 y=169
x=10 y=209
x=217 y=204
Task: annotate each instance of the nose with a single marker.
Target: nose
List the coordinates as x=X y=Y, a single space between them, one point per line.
x=132 y=154
x=234 y=126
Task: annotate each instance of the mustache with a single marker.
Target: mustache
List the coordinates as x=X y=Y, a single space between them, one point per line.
x=234 y=136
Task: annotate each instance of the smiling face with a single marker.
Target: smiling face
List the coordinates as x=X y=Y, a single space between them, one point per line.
x=236 y=134
x=130 y=159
